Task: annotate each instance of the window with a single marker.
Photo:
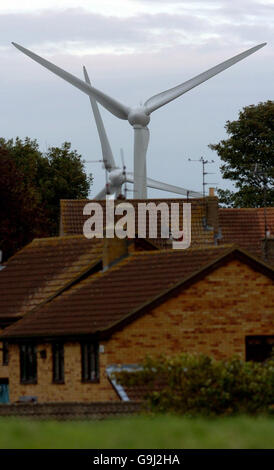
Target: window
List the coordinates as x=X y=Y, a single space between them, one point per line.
x=28 y=363
x=259 y=348
x=90 y=362
x=58 y=362
x=5 y=350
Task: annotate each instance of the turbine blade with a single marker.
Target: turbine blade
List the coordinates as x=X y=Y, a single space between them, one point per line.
x=165 y=97
x=108 y=158
x=172 y=189
x=141 y=139
x=101 y=195
x=108 y=189
x=122 y=158
x=119 y=110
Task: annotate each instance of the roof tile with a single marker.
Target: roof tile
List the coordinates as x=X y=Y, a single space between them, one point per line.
x=41 y=269
x=246 y=227
x=72 y=218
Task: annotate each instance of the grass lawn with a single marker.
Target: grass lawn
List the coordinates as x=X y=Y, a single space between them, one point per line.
x=139 y=432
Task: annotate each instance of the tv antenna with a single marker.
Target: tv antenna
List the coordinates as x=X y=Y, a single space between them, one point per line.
x=204 y=163
x=124 y=172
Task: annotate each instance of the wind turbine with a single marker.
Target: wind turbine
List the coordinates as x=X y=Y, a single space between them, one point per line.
x=138 y=117
x=118 y=176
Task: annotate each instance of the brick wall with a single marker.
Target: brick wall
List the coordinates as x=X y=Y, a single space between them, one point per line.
x=72 y=390
x=212 y=316
x=71 y=411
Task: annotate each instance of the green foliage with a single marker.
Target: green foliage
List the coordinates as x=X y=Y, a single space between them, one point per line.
x=31 y=186
x=21 y=213
x=199 y=385
x=248 y=156
x=63 y=177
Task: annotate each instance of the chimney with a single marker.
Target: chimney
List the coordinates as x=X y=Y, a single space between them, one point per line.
x=114 y=248
x=268 y=248
x=212 y=213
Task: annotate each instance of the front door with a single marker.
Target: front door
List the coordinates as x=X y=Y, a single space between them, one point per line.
x=4 y=391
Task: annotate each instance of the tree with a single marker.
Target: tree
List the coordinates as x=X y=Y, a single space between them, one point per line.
x=31 y=186
x=248 y=154
x=21 y=215
x=62 y=177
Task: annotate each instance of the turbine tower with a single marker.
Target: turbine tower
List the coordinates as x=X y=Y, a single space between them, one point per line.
x=138 y=117
x=119 y=176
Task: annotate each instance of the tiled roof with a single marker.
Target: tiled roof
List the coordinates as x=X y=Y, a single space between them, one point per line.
x=41 y=269
x=246 y=227
x=103 y=300
x=46 y=266
x=72 y=218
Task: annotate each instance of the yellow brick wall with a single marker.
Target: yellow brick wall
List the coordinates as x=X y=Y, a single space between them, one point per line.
x=72 y=390
x=212 y=316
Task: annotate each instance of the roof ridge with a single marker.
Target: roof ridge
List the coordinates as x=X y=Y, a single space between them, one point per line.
x=137 y=200
x=245 y=208
x=49 y=239
x=63 y=237
x=194 y=248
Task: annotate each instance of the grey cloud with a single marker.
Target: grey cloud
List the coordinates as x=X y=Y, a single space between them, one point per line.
x=223 y=8
x=77 y=24
x=87 y=29
x=252 y=33
x=72 y=25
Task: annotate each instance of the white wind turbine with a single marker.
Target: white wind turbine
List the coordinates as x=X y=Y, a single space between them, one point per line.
x=119 y=176
x=138 y=117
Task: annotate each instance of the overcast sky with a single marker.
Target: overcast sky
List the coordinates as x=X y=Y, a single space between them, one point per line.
x=133 y=49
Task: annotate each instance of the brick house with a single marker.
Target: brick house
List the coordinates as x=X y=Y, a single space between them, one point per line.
x=73 y=309
x=217 y=300
x=39 y=272
x=45 y=267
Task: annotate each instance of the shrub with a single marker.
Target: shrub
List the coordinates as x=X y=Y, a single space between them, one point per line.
x=197 y=384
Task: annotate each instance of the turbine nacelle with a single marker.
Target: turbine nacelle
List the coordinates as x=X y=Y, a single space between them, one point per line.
x=138 y=117
x=117 y=177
